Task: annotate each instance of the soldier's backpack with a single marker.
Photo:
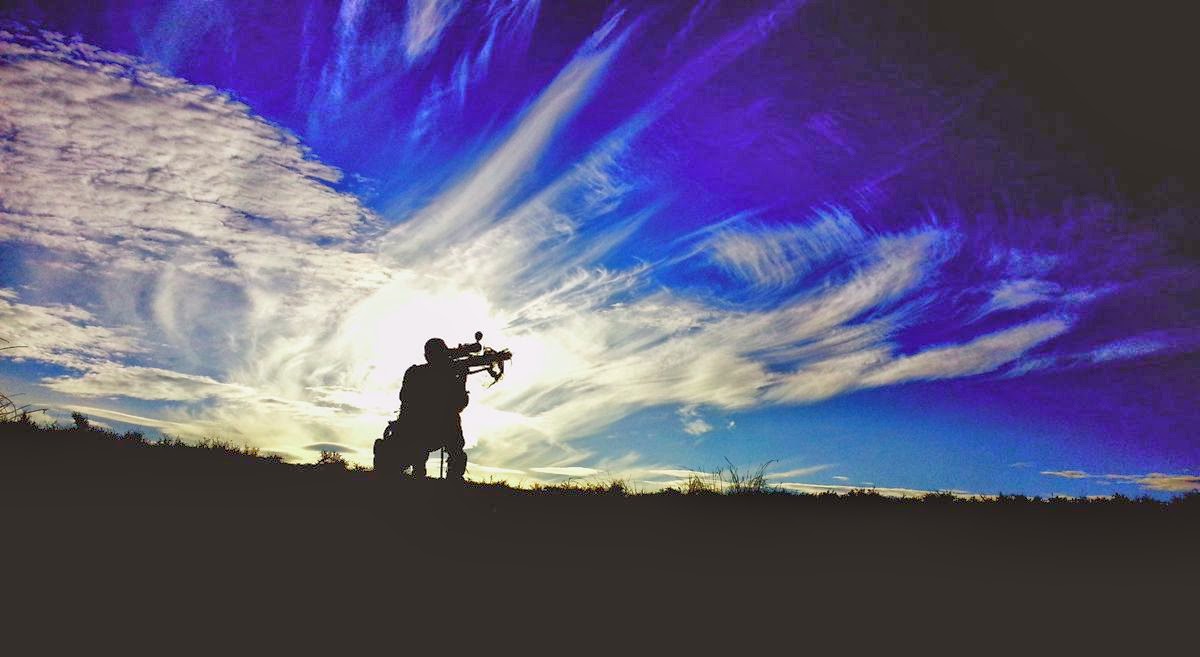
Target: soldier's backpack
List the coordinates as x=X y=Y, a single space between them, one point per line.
x=390 y=453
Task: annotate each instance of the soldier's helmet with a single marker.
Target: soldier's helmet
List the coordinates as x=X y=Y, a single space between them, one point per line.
x=436 y=351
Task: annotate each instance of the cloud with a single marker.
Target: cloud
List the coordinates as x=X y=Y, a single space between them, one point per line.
x=182 y=24
x=335 y=77
x=425 y=22
x=1154 y=481
x=1011 y=294
x=330 y=447
x=62 y=334
x=699 y=10
x=469 y=208
x=1067 y=474
x=1018 y=293
x=1169 y=483
x=150 y=383
x=799 y=472
x=1134 y=347
x=776 y=257
x=678 y=473
x=574 y=471
x=983 y=354
x=1015 y=262
x=166 y=236
x=474 y=468
x=693 y=424
x=125 y=417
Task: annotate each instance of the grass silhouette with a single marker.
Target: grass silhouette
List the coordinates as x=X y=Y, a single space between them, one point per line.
x=112 y=520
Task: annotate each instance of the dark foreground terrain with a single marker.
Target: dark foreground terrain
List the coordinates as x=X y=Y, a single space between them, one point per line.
x=97 y=524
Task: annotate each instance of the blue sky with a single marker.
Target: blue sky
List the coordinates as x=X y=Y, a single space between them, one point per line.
x=820 y=235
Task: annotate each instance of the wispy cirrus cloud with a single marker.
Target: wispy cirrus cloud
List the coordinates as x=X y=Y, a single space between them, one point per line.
x=182 y=25
x=130 y=418
x=777 y=257
x=1022 y=292
x=1012 y=294
x=983 y=354
x=335 y=78
x=424 y=24
x=148 y=383
x=1067 y=474
x=1163 y=342
x=799 y=472
x=567 y=472
x=1153 y=481
x=470 y=207
x=1133 y=347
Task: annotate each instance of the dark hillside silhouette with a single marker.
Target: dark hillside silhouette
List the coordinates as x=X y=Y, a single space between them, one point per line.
x=118 y=521
x=85 y=466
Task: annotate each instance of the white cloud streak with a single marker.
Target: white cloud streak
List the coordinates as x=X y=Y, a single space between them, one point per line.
x=1153 y=481
x=777 y=257
x=1021 y=292
x=1067 y=474
x=799 y=472
x=464 y=211
x=982 y=354
x=128 y=418
x=426 y=20
x=1134 y=347
x=568 y=471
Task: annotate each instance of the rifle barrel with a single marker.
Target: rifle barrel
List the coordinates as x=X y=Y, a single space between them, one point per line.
x=483 y=360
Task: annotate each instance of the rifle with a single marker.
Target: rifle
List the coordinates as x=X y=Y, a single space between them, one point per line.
x=472 y=358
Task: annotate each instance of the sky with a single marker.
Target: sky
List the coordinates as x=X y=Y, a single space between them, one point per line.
x=855 y=245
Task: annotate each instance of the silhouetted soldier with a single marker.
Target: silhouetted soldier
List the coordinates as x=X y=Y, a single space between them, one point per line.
x=431 y=399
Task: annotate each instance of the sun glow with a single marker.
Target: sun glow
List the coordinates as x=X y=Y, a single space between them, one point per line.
x=382 y=335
